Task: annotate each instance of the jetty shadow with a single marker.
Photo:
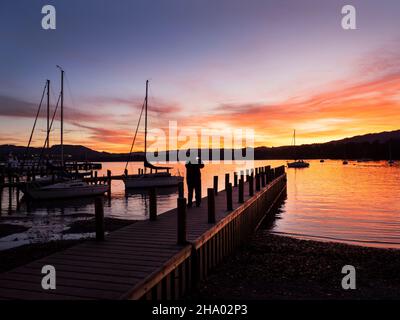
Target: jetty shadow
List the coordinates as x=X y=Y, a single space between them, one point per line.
x=275 y=213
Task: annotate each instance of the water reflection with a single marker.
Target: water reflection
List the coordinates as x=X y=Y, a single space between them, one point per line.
x=351 y=203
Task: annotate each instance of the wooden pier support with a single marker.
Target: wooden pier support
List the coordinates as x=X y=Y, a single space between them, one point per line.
x=109 y=183
x=251 y=186
x=181 y=189
x=215 y=185
x=182 y=232
x=211 y=205
x=152 y=204
x=258 y=182
x=229 y=204
x=17 y=192
x=263 y=177
x=241 y=190
x=235 y=179
x=99 y=217
x=226 y=180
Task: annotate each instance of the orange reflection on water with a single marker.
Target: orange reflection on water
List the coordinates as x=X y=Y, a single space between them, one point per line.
x=356 y=203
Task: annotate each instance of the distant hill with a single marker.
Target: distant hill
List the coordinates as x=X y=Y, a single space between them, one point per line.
x=382 y=137
x=374 y=146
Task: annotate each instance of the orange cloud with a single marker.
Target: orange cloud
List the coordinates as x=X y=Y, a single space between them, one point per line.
x=372 y=106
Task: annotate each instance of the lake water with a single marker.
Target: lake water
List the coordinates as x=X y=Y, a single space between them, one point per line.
x=355 y=203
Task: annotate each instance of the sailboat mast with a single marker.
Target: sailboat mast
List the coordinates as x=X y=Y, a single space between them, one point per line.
x=48 y=115
x=294 y=142
x=145 y=121
x=62 y=116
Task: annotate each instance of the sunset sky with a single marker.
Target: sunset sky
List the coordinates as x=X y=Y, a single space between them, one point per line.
x=269 y=65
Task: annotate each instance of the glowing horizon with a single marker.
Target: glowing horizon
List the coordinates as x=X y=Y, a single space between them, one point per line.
x=270 y=66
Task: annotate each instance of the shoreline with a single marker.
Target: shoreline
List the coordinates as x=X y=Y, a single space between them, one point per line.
x=275 y=267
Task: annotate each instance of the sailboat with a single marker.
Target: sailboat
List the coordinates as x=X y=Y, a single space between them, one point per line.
x=297 y=163
x=158 y=176
x=67 y=188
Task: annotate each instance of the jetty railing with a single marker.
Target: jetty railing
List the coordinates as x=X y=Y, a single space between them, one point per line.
x=196 y=260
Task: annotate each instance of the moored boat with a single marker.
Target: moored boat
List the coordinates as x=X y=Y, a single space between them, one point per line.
x=158 y=176
x=297 y=163
x=62 y=190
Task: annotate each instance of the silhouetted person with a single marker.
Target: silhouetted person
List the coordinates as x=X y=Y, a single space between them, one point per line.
x=193 y=180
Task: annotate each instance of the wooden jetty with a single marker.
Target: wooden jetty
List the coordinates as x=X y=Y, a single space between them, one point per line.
x=161 y=258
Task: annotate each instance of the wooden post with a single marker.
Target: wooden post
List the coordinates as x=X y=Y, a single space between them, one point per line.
x=153 y=204
x=211 y=205
x=216 y=185
x=241 y=190
x=138 y=170
x=99 y=217
x=247 y=174
x=109 y=182
x=251 y=186
x=226 y=180
x=95 y=176
x=181 y=189
x=9 y=198
x=235 y=179
x=229 y=205
x=258 y=185
x=263 y=177
x=181 y=221
x=17 y=191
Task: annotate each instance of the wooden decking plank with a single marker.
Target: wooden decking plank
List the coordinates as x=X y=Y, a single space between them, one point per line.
x=62 y=280
x=62 y=290
x=114 y=278
x=84 y=269
x=18 y=294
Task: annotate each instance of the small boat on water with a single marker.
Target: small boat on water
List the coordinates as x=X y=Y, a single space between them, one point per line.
x=148 y=180
x=297 y=163
x=345 y=162
x=322 y=160
x=63 y=190
x=158 y=176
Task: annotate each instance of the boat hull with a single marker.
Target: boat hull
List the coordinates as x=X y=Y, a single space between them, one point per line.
x=298 y=164
x=46 y=194
x=149 y=181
